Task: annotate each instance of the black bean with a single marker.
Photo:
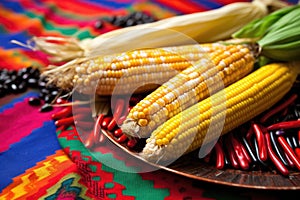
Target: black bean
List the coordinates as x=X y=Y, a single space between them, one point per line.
x=14 y=88
x=45 y=91
x=130 y=22
x=120 y=21
x=34 y=73
x=42 y=84
x=32 y=82
x=48 y=98
x=46 y=107
x=21 y=72
x=25 y=76
x=12 y=72
x=34 y=101
x=22 y=86
x=99 y=24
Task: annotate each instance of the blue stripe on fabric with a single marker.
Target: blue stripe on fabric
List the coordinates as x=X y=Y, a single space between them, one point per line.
x=207 y=4
x=18 y=99
x=6 y=39
x=111 y=4
x=23 y=155
x=12 y=5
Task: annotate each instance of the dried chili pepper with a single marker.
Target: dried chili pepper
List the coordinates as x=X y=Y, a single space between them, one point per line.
x=284 y=125
x=278 y=150
x=220 y=157
x=276 y=161
x=65 y=112
x=260 y=142
x=279 y=108
x=289 y=151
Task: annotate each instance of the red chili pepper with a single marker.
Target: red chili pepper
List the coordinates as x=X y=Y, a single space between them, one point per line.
x=289 y=151
x=241 y=158
x=220 y=157
x=262 y=148
x=131 y=143
x=278 y=108
x=65 y=112
x=97 y=127
x=290 y=162
x=299 y=137
x=66 y=121
x=207 y=157
x=277 y=162
x=297 y=152
x=231 y=154
x=118 y=109
x=121 y=120
x=118 y=133
x=249 y=133
x=112 y=124
x=105 y=122
x=122 y=139
x=284 y=125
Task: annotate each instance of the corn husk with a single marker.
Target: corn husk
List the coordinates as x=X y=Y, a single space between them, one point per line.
x=208 y=26
x=278 y=34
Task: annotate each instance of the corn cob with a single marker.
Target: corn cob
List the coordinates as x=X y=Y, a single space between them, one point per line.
x=201 y=27
x=189 y=87
x=122 y=73
x=212 y=117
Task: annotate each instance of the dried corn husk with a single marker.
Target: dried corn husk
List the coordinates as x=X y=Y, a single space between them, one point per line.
x=209 y=26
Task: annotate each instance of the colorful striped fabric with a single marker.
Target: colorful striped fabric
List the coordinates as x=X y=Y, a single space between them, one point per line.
x=39 y=161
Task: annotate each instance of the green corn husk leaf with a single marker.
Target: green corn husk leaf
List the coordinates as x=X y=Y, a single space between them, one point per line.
x=259 y=27
x=278 y=40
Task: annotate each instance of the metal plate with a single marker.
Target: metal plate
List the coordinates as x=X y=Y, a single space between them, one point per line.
x=196 y=169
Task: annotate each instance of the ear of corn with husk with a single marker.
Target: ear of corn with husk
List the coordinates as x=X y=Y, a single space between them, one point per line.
x=222 y=68
x=130 y=72
x=202 y=27
x=207 y=120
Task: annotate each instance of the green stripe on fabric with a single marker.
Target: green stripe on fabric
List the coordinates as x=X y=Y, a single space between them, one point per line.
x=63 y=30
x=135 y=185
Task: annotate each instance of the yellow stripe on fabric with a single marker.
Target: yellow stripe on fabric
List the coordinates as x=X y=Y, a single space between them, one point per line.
x=36 y=177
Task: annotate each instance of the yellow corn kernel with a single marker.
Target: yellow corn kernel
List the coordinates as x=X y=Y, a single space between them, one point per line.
x=124 y=73
x=213 y=116
x=195 y=83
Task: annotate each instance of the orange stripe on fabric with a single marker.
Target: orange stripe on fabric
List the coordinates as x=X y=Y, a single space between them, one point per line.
x=36 y=177
x=14 y=22
x=14 y=59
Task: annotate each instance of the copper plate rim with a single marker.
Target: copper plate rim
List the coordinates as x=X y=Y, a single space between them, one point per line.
x=293 y=179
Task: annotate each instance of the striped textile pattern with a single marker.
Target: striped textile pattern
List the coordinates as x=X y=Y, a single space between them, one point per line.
x=39 y=161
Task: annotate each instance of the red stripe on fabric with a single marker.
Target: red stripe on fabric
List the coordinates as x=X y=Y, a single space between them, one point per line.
x=11 y=22
x=53 y=16
x=80 y=8
x=178 y=186
x=185 y=7
x=15 y=59
x=224 y=2
x=20 y=121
